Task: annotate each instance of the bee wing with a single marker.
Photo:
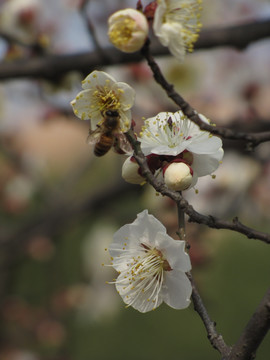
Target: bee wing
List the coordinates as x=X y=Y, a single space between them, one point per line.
x=121 y=144
x=93 y=136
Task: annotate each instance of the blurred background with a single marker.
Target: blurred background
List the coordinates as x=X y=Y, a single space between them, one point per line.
x=59 y=205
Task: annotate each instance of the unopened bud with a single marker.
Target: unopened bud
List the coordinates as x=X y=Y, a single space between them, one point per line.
x=128 y=30
x=177 y=176
x=130 y=171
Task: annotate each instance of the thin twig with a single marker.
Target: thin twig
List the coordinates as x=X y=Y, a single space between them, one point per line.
x=251 y=138
x=181 y=222
x=91 y=29
x=194 y=216
x=214 y=337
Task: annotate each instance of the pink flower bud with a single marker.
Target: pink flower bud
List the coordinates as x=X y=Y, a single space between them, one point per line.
x=128 y=30
x=177 y=176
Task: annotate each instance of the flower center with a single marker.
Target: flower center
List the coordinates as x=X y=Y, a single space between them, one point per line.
x=143 y=276
x=122 y=31
x=170 y=132
x=106 y=99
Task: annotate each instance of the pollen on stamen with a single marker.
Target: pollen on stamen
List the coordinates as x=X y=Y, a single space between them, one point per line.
x=213 y=176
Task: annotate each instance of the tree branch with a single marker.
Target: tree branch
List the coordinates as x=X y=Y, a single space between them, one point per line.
x=54 y=218
x=237 y=36
x=54 y=66
x=253 y=334
x=194 y=216
x=252 y=139
x=214 y=337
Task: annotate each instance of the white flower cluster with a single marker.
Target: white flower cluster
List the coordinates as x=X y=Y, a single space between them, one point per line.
x=150 y=263
x=174 y=144
x=176 y=24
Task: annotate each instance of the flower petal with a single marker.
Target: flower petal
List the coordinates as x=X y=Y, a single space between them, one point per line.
x=158 y=19
x=149 y=227
x=172 y=33
x=205 y=144
x=205 y=164
x=174 y=252
x=81 y=105
x=97 y=78
x=143 y=230
x=126 y=95
x=177 y=289
x=125 y=120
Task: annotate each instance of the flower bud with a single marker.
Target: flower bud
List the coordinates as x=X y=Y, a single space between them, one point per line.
x=130 y=171
x=177 y=176
x=128 y=30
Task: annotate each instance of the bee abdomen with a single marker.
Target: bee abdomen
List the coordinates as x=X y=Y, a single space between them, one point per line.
x=104 y=145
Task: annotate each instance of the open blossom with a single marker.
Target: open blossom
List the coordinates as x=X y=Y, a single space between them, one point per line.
x=176 y=24
x=151 y=265
x=170 y=138
x=128 y=30
x=101 y=92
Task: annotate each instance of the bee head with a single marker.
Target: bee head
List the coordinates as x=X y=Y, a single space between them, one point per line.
x=112 y=113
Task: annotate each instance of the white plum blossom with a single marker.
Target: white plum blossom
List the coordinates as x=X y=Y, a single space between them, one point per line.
x=101 y=92
x=175 y=138
x=151 y=265
x=176 y=24
x=128 y=30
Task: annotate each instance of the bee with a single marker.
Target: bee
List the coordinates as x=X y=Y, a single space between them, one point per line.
x=108 y=134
